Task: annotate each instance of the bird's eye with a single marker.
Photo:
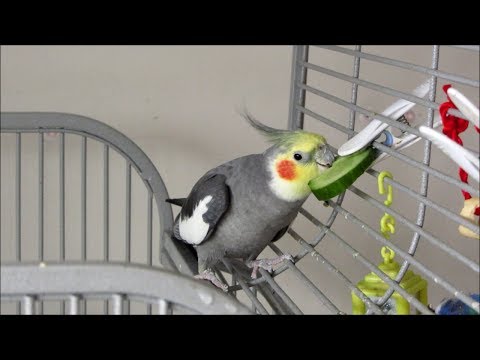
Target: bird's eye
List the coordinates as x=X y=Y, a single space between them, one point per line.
x=297 y=157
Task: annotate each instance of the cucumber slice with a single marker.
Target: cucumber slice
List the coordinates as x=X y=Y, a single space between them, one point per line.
x=343 y=173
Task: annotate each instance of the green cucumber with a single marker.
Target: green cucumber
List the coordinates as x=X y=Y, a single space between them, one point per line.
x=344 y=172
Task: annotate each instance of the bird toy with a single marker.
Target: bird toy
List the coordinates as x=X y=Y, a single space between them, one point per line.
x=453 y=126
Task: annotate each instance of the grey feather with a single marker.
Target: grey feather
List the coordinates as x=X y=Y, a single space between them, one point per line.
x=254 y=217
x=209 y=185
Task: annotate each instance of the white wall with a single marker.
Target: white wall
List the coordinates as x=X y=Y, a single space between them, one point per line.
x=178 y=103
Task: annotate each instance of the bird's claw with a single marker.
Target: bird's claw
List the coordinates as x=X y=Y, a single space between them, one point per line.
x=209 y=275
x=267 y=264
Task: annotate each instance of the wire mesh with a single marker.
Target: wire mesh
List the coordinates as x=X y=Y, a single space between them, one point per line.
x=77 y=169
x=424 y=165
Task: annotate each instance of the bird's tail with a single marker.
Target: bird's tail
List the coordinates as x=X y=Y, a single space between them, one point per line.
x=178 y=202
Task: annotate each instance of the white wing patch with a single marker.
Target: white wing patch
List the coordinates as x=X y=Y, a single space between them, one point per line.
x=193 y=229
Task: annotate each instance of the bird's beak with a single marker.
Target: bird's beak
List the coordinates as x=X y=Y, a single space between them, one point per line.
x=325 y=157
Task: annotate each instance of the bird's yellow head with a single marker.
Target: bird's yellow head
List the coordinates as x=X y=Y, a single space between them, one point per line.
x=296 y=158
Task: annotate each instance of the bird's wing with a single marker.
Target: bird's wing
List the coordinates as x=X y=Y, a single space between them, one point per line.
x=203 y=209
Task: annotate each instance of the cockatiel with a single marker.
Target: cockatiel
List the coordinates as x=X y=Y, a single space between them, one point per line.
x=236 y=209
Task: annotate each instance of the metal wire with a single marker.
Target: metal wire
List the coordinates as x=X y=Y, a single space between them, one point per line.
x=128 y=217
x=387 y=149
x=106 y=212
x=380 y=88
x=452 y=289
x=149 y=238
x=297 y=95
x=460 y=220
x=475 y=48
x=307 y=282
x=405 y=65
x=423 y=184
x=18 y=206
x=360 y=258
x=61 y=206
x=256 y=304
x=421 y=195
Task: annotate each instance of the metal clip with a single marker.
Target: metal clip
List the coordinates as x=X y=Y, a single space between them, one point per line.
x=376 y=127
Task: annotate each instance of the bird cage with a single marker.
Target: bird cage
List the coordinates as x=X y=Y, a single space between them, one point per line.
x=111 y=265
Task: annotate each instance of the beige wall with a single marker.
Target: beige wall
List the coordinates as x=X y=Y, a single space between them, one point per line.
x=178 y=103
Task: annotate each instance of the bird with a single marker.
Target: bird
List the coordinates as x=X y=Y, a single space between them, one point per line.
x=237 y=208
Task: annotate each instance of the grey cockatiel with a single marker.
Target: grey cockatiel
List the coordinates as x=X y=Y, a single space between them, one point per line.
x=236 y=209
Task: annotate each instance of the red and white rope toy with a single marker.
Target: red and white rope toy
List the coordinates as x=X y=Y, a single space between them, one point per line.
x=453 y=126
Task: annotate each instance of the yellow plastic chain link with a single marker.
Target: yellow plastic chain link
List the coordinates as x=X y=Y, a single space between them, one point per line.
x=387 y=223
x=387 y=254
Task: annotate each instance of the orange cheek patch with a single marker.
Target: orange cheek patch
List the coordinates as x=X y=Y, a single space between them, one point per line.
x=286 y=169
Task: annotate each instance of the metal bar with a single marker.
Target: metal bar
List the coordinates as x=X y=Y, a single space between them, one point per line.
x=353 y=100
x=350 y=133
x=280 y=291
x=83 y=195
x=327 y=121
x=106 y=212
x=41 y=223
x=128 y=213
x=277 y=304
x=149 y=238
x=28 y=305
x=404 y=65
x=62 y=204
x=128 y=219
x=73 y=305
x=418 y=265
x=415 y=302
x=18 y=199
x=18 y=207
x=40 y=196
x=164 y=307
x=274 y=300
x=318 y=238
x=475 y=48
x=297 y=95
x=251 y=294
x=346 y=130
x=451 y=215
x=62 y=195
x=254 y=293
x=117 y=304
x=416 y=228
x=334 y=270
x=116 y=279
x=234 y=282
x=387 y=149
x=83 y=210
x=374 y=173
x=256 y=304
x=459 y=219
x=309 y=284
x=431 y=104
x=149 y=229
x=424 y=181
x=372 y=114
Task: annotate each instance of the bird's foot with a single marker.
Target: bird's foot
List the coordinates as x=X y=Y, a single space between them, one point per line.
x=267 y=264
x=209 y=275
